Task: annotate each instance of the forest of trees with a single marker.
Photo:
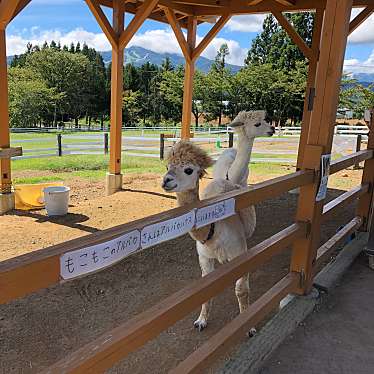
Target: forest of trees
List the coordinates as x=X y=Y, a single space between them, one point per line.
x=50 y=85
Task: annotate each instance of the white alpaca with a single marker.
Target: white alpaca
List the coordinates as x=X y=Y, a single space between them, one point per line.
x=225 y=239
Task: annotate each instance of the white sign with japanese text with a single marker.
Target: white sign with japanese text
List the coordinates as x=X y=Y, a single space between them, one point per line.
x=167 y=230
x=215 y=212
x=325 y=172
x=90 y=259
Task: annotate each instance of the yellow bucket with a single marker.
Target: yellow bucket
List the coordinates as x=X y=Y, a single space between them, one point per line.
x=30 y=196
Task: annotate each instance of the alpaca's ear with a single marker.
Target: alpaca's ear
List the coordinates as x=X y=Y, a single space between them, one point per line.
x=202 y=172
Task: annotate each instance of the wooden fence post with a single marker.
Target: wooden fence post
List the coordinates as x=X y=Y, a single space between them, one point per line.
x=320 y=135
x=358 y=148
x=366 y=202
x=59 y=144
x=162 y=146
x=231 y=139
x=106 y=143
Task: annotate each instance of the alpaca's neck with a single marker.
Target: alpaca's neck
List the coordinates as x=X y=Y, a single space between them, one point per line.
x=189 y=197
x=239 y=167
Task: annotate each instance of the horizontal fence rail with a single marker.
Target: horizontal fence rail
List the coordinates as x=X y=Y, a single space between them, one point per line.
x=118 y=343
x=330 y=208
x=324 y=252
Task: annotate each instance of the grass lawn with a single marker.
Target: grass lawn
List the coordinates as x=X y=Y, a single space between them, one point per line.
x=94 y=167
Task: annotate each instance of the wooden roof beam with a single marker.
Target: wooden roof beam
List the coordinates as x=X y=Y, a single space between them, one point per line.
x=360 y=18
x=140 y=16
x=296 y=38
x=210 y=36
x=21 y=5
x=287 y=2
x=8 y=9
x=103 y=22
x=170 y=15
x=213 y=3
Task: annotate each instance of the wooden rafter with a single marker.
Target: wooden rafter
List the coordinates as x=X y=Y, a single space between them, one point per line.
x=103 y=22
x=360 y=18
x=209 y=37
x=287 y=2
x=296 y=38
x=143 y=12
x=7 y=11
x=21 y=5
x=170 y=15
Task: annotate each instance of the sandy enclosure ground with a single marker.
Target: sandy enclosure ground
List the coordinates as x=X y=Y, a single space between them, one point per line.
x=43 y=327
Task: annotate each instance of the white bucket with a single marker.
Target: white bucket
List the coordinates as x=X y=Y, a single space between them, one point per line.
x=56 y=200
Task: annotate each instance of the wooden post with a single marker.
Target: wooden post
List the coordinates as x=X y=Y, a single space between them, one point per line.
x=116 y=93
x=114 y=177
x=162 y=146
x=189 y=72
x=320 y=134
x=358 y=149
x=365 y=205
x=59 y=144
x=106 y=143
x=310 y=86
x=5 y=174
x=231 y=139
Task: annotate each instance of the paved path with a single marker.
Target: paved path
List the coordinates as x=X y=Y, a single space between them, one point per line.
x=338 y=337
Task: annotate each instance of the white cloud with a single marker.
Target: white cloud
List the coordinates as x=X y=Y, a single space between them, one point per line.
x=161 y=41
x=246 y=23
x=16 y=44
x=365 y=32
x=357 y=66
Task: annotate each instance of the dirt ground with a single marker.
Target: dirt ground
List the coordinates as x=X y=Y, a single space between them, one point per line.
x=338 y=337
x=39 y=329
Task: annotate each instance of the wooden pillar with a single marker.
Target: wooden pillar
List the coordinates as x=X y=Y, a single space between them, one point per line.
x=321 y=131
x=114 y=177
x=5 y=175
x=188 y=79
x=366 y=202
x=116 y=92
x=310 y=86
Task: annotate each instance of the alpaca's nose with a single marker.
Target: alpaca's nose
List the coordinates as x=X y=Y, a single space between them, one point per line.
x=167 y=179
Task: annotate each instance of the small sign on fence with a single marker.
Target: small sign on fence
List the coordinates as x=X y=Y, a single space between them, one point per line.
x=325 y=172
x=87 y=260
x=215 y=212
x=90 y=259
x=167 y=230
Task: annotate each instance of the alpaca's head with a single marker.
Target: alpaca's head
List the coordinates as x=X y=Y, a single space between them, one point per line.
x=187 y=163
x=256 y=123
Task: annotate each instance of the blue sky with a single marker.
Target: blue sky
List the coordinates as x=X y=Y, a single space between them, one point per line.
x=71 y=21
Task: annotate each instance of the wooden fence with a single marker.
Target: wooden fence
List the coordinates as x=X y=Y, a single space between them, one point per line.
x=28 y=273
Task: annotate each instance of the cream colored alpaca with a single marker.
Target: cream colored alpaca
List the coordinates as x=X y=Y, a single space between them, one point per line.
x=225 y=239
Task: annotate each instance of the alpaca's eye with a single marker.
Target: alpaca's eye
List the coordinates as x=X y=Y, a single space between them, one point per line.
x=188 y=171
x=258 y=124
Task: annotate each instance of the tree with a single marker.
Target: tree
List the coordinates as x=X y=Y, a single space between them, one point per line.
x=30 y=100
x=218 y=82
x=131 y=107
x=67 y=74
x=274 y=46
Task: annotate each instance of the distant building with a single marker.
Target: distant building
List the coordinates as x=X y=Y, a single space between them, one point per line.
x=344 y=113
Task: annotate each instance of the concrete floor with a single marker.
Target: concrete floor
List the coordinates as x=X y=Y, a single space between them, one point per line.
x=338 y=337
